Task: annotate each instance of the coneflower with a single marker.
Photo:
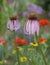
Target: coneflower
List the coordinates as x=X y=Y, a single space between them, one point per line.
x=13 y=23
x=32 y=25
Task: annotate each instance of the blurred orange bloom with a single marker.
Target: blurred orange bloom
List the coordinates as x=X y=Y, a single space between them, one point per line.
x=43 y=22
x=23 y=41
x=19 y=41
x=42 y=40
x=2 y=41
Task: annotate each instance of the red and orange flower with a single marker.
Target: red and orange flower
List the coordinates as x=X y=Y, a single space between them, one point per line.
x=41 y=40
x=2 y=41
x=43 y=22
x=19 y=41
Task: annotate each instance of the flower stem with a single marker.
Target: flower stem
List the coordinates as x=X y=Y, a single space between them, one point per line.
x=43 y=57
x=18 y=56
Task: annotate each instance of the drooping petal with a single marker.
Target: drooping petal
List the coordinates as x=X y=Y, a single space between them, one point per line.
x=32 y=27
x=16 y=25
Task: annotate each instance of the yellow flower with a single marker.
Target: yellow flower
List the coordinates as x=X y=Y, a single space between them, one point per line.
x=29 y=49
x=23 y=59
x=13 y=51
x=4 y=61
x=34 y=44
x=1 y=62
x=20 y=49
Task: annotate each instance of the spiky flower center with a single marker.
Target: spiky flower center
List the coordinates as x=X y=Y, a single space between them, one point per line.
x=13 y=17
x=32 y=16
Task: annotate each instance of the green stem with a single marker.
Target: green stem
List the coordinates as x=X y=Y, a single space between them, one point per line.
x=43 y=57
x=18 y=56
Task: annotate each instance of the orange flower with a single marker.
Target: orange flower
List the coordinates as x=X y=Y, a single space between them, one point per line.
x=2 y=41
x=20 y=41
x=43 y=22
x=23 y=41
x=42 y=40
x=17 y=41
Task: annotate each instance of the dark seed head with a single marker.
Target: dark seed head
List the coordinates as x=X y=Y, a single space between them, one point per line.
x=32 y=16
x=13 y=17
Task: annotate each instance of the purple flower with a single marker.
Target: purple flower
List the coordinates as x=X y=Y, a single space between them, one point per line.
x=13 y=25
x=31 y=27
x=35 y=8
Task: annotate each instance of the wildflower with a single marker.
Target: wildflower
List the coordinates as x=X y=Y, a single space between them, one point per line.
x=13 y=23
x=32 y=25
x=42 y=40
x=13 y=51
x=23 y=59
x=2 y=41
x=32 y=16
x=17 y=41
x=4 y=61
x=20 y=49
x=23 y=41
x=20 y=41
x=34 y=8
x=43 y=22
x=34 y=44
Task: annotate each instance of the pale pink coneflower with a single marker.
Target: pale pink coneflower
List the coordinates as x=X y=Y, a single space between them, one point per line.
x=13 y=24
x=32 y=26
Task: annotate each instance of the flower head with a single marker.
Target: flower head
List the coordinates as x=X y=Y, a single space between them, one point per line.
x=32 y=25
x=13 y=17
x=23 y=59
x=3 y=62
x=17 y=41
x=2 y=41
x=43 y=22
x=23 y=41
x=20 y=41
x=32 y=16
x=13 y=23
x=42 y=40
x=34 y=44
x=34 y=8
